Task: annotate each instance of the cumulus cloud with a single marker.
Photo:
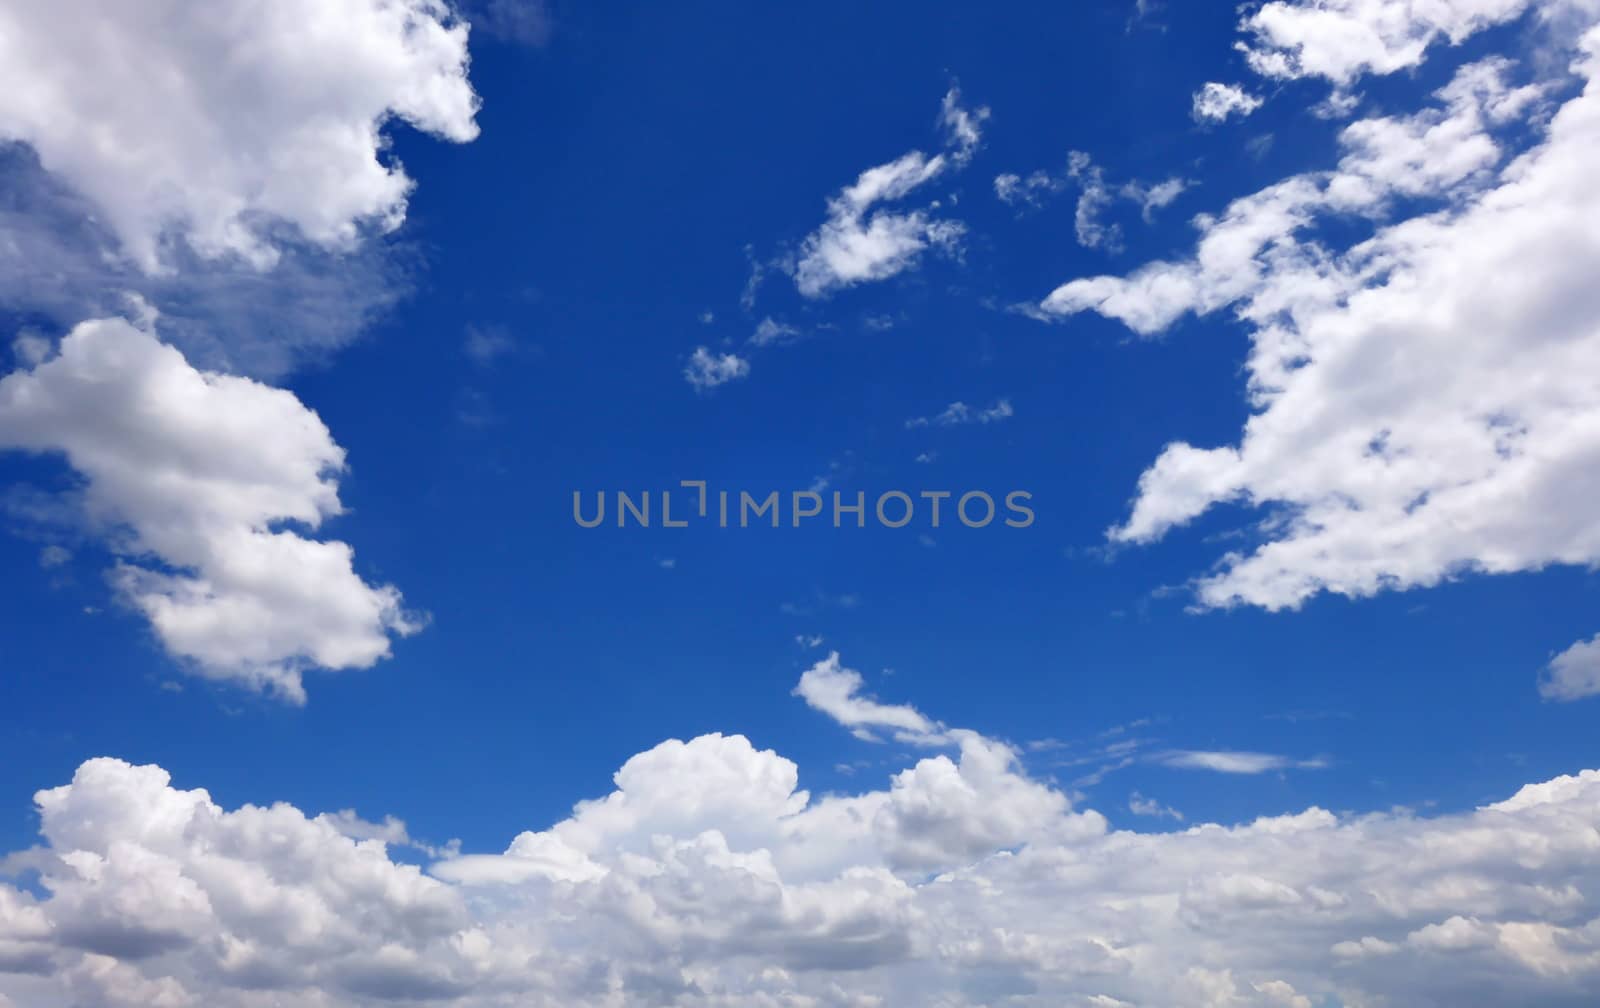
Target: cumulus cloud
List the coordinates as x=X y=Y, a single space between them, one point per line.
x=863 y=241
x=1419 y=402
x=707 y=370
x=1341 y=40
x=210 y=127
x=707 y=877
x=192 y=475
x=835 y=690
x=1574 y=673
x=219 y=170
x=1217 y=102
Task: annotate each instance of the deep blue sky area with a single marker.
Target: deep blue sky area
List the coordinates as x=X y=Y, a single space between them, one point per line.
x=604 y=224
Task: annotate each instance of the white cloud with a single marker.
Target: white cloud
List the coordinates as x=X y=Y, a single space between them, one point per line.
x=1216 y=102
x=963 y=126
x=1230 y=762
x=1093 y=200
x=770 y=332
x=1338 y=105
x=59 y=263
x=1139 y=805
x=192 y=475
x=1574 y=673
x=1155 y=197
x=707 y=878
x=858 y=243
x=30 y=348
x=1341 y=40
x=484 y=344
x=1013 y=189
x=1420 y=409
x=959 y=414
x=1095 y=197
x=214 y=127
x=835 y=690
x=707 y=370
x=524 y=22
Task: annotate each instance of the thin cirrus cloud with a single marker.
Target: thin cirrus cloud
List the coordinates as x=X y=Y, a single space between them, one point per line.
x=1095 y=197
x=959 y=414
x=1233 y=762
x=61 y=264
x=707 y=876
x=771 y=332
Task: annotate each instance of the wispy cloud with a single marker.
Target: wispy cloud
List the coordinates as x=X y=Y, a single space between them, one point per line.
x=770 y=332
x=1096 y=197
x=959 y=414
x=862 y=241
x=1139 y=805
x=1234 y=762
x=706 y=370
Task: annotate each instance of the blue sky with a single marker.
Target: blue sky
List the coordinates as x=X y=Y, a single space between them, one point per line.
x=644 y=182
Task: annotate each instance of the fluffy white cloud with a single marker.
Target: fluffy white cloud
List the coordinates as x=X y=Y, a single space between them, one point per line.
x=1574 y=673
x=836 y=691
x=1421 y=405
x=707 y=370
x=192 y=475
x=861 y=241
x=1341 y=40
x=708 y=878
x=1217 y=102
x=215 y=124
